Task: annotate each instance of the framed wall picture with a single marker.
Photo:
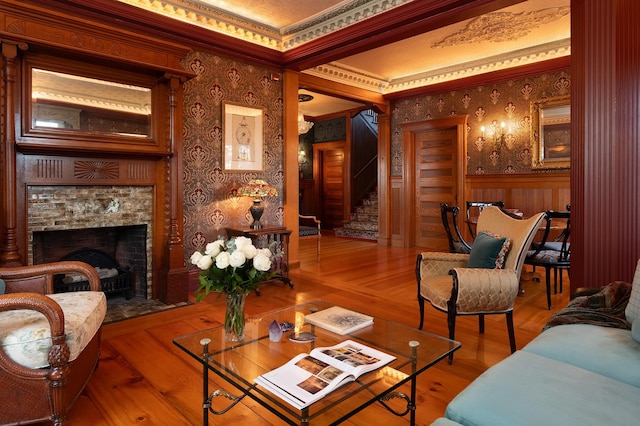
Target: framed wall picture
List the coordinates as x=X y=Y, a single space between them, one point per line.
x=243 y=138
x=551 y=133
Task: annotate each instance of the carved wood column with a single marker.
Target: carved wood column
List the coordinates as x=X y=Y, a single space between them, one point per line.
x=384 y=179
x=291 y=180
x=9 y=252
x=605 y=142
x=177 y=287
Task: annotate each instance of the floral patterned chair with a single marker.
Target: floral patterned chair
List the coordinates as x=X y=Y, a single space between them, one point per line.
x=49 y=342
x=484 y=281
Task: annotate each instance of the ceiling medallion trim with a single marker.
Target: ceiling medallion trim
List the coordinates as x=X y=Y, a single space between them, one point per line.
x=352 y=77
x=502 y=26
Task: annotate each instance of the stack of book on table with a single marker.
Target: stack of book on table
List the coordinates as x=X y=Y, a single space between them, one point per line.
x=339 y=320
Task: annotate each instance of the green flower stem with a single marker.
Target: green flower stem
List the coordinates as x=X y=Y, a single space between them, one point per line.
x=234 y=317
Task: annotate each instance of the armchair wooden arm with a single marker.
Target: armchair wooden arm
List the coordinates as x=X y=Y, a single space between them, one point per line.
x=59 y=353
x=39 y=278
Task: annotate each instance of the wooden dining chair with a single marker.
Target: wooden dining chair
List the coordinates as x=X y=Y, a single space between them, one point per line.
x=474 y=208
x=457 y=243
x=553 y=254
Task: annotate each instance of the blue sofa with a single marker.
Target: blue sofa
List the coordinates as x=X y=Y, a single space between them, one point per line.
x=575 y=374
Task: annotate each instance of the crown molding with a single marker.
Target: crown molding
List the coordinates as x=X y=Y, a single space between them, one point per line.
x=517 y=58
x=342 y=74
x=523 y=71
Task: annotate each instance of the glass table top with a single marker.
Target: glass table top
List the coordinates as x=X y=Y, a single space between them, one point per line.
x=239 y=363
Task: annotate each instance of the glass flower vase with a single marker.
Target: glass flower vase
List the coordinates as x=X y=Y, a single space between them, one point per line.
x=234 y=317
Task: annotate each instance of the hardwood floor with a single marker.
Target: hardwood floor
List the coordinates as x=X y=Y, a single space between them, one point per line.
x=143 y=378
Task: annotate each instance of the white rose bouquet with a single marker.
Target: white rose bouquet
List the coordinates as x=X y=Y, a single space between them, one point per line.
x=233 y=266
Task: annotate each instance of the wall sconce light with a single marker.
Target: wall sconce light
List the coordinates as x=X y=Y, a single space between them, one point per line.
x=303 y=125
x=497 y=132
x=302 y=157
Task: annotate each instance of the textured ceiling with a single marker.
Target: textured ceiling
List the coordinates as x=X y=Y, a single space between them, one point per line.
x=276 y=14
x=527 y=32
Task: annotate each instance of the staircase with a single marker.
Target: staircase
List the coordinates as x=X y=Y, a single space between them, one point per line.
x=364 y=222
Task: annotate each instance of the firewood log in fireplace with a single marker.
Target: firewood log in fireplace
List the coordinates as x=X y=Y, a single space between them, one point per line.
x=113 y=277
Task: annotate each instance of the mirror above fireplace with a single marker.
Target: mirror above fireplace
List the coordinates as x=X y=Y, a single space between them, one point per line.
x=80 y=106
x=77 y=103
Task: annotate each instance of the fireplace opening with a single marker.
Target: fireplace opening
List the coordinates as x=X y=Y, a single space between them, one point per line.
x=127 y=245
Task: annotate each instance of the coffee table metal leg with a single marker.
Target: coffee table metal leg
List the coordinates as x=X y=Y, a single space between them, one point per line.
x=205 y=380
x=411 y=400
x=414 y=356
x=207 y=398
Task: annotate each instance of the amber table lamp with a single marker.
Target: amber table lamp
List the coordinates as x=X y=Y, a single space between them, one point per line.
x=257 y=189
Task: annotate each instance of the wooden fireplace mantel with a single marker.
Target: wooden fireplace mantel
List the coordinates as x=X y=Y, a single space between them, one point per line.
x=28 y=30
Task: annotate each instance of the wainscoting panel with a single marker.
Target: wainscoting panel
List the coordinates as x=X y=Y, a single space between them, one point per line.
x=529 y=193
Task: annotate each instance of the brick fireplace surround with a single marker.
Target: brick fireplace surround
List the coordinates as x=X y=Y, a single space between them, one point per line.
x=87 y=194
x=62 y=219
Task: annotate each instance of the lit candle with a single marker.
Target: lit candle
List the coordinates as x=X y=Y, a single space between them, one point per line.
x=482 y=130
x=299 y=322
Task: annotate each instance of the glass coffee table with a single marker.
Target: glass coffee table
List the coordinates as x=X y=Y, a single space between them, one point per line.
x=239 y=363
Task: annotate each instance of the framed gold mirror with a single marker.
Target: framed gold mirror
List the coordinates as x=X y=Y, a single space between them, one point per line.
x=551 y=133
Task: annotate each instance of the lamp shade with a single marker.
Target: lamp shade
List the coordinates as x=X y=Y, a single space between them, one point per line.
x=257 y=188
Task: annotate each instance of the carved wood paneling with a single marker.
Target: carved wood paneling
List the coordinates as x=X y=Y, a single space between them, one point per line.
x=63 y=31
x=529 y=193
x=96 y=169
x=58 y=170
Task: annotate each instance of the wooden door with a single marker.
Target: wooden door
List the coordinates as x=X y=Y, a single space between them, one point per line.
x=332 y=192
x=436 y=183
x=434 y=168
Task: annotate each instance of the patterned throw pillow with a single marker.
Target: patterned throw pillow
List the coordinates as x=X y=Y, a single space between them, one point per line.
x=632 y=312
x=488 y=251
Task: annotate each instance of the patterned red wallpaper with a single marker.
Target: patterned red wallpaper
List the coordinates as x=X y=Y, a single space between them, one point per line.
x=487 y=106
x=209 y=203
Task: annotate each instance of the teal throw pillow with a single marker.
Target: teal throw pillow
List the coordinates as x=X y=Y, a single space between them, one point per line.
x=488 y=251
x=2 y=286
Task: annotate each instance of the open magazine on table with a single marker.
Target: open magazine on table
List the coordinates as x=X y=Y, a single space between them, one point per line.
x=309 y=377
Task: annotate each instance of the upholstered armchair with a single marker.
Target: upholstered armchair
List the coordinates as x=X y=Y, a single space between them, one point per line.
x=49 y=343
x=472 y=284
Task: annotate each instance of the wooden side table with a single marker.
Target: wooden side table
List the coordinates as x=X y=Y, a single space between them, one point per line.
x=264 y=237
